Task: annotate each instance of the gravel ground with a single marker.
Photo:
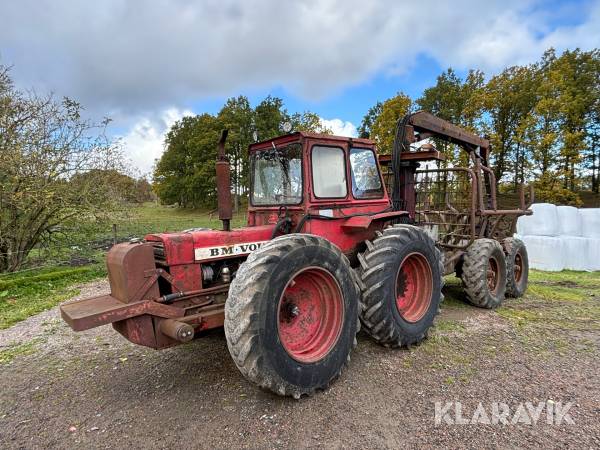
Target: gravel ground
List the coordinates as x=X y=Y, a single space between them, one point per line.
x=96 y=390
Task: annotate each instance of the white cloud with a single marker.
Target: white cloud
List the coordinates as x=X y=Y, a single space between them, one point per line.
x=125 y=56
x=144 y=142
x=340 y=127
x=132 y=60
x=518 y=35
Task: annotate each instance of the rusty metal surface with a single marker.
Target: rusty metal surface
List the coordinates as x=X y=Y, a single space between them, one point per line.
x=127 y=264
x=428 y=125
x=139 y=330
x=419 y=155
x=105 y=309
x=224 y=184
x=176 y=248
x=180 y=331
x=300 y=135
x=209 y=317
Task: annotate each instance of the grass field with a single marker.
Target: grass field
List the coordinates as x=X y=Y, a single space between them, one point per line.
x=167 y=218
x=28 y=293
x=558 y=313
x=85 y=242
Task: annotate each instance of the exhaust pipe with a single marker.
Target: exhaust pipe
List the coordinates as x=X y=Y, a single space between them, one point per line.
x=224 y=184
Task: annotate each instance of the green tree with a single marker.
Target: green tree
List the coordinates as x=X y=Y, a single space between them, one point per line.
x=185 y=173
x=45 y=148
x=122 y=187
x=457 y=101
x=384 y=124
x=454 y=99
x=269 y=116
x=364 y=130
x=309 y=122
x=591 y=157
x=563 y=121
x=575 y=77
x=508 y=100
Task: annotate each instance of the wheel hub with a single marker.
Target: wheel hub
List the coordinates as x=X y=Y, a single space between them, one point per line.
x=310 y=315
x=518 y=267
x=414 y=287
x=492 y=275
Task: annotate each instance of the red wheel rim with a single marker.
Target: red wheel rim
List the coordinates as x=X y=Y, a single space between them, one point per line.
x=310 y=315
x=414 y=285
x=518 y=267
x=493 y=275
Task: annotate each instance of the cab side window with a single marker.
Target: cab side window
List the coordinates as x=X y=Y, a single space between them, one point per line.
x=366 y=182
x=329 y=172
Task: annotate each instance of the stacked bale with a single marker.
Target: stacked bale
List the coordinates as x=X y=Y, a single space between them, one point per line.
x=561 y=237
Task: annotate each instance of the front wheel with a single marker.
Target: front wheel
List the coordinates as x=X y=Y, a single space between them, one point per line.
x=291 y=317
x=401 y=271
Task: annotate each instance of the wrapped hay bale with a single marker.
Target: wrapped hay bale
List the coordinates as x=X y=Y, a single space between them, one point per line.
x=569 y=221
x=543 y=222
x=576 y=255
x=590 y=222
x=545 y=252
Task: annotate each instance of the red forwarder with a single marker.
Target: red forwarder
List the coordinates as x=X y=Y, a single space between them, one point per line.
x=324 y=247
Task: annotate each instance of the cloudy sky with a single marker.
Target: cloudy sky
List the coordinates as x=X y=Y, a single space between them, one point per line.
x=148 y=63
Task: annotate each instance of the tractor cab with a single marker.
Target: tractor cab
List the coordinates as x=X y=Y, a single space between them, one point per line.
x=327 y=185
x=302 y=180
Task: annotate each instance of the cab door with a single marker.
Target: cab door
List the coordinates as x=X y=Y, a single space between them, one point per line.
x=344 y=182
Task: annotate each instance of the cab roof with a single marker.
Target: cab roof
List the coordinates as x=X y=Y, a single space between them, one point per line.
x=299 y=135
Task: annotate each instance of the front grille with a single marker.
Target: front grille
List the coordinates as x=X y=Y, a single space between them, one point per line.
x=159 y=251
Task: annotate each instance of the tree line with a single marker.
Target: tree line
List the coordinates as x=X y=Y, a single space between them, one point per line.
x=542 y=119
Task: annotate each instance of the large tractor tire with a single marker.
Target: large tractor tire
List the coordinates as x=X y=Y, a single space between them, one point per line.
x=517 y=267
x=484 y=273
x=401 y=273
x=291 y=317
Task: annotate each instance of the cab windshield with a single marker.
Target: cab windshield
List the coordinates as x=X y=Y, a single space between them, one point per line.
x=277 y=176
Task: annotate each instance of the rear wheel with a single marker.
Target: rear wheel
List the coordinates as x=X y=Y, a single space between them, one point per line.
x=291 y=315
x=517 y=267
x=401 y=272
x=484 y=273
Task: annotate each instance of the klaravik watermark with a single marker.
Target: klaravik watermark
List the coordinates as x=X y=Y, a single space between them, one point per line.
x=499 y=413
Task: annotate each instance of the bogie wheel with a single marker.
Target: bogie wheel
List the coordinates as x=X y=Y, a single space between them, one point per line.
x=484 y=273
x=401 y=273
x=291 y=317
x=517 y=267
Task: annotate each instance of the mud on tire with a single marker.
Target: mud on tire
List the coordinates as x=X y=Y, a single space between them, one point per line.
x=517 y=267
x=291 y=317
x=484 y=273
x=401 y=276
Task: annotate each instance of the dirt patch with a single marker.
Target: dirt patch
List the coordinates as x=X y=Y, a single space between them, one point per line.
x=37 y=326
x=96 y=390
